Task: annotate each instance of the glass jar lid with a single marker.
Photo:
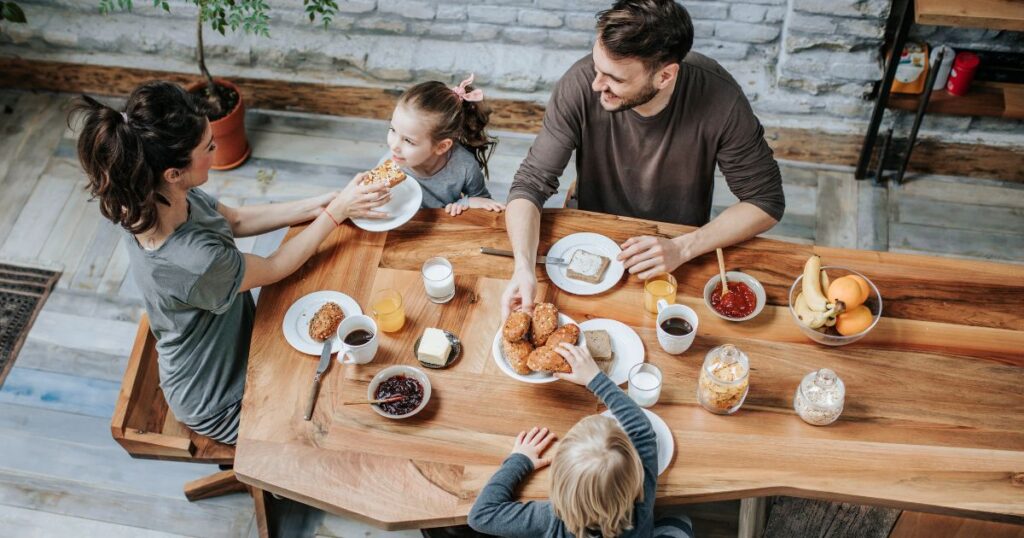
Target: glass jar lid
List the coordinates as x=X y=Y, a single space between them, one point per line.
x=823 y=388
x=727 y=364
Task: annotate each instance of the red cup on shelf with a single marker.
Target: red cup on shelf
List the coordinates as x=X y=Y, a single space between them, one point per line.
x=962 y=73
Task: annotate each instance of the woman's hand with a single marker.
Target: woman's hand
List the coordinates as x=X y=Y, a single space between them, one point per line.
x=357 y=200
x=584 y=369
x=532 y=444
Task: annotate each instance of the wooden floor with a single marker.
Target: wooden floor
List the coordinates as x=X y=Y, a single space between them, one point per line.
x=59 y=468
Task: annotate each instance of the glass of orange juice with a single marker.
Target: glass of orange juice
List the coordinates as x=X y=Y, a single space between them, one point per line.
x=658 y=287
x=388 y=310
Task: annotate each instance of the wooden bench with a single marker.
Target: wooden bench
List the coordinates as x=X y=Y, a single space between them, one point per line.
x=145 y=427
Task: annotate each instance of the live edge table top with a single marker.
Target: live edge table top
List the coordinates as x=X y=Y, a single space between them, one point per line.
x=933 y=418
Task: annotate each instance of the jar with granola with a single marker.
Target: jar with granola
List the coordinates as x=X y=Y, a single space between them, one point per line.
x=724 y=380
x=819 y=397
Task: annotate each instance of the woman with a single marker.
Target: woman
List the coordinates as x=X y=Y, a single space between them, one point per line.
x=145 y=166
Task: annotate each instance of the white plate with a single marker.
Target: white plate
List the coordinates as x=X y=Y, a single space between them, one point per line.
x=405 y=201
x=627 y=345
x=535 y=377
x=593 y=243
x=300 y=313
x=666 y=444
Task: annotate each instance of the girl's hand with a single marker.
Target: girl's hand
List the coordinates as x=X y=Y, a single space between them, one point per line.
x=476 y=202
x=357 y=200
x=320 y=203
x=455 y=209
x=532 y=444
x=584 y=369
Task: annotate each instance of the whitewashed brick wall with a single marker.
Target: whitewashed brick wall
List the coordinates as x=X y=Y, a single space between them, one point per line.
x=801 y=62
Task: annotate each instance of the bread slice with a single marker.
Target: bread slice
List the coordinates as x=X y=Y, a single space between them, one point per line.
x=587 y=267
x=606 y=364
x=600 y=344
x=387 y=172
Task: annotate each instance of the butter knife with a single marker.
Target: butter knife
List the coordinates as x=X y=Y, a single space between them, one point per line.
x=325 y=361
x=508 y=253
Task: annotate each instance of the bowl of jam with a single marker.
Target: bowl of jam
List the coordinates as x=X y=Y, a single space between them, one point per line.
x=746 y=297
x=409 y=383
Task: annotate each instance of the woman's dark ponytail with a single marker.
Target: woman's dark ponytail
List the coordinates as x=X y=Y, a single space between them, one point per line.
x=126 y=154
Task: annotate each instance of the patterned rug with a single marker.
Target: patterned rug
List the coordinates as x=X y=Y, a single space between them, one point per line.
x=23 y=290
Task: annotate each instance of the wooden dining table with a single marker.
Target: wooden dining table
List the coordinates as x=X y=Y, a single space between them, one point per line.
x=933 y=420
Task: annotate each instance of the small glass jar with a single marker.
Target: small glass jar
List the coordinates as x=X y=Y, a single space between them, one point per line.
x=819 y=397
x=724 y=380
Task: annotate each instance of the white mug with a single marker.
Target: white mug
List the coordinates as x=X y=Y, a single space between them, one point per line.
x=672 y=344
x=357 y=354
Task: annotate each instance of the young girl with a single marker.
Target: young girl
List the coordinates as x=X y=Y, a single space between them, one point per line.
x=603 y=477
x=145 y=166
x=437 y=136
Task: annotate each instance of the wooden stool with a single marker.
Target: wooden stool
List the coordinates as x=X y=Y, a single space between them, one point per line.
x=146 y=428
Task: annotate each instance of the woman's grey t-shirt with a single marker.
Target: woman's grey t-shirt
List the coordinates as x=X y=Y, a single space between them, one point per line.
x=460 y=177
x=201 y=323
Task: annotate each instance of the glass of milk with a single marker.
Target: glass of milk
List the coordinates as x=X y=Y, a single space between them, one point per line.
x=439 y=280
x=645 y=384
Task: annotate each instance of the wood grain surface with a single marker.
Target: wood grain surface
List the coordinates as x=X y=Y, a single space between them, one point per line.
x=931 y=420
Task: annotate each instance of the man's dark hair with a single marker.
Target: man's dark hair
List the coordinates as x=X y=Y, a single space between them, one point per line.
x=656 y=32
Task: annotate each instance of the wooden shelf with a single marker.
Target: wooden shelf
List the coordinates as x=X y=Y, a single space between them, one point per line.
x=988 y=14
x=992 y=99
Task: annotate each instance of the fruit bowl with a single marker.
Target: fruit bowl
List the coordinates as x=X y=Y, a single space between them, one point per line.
x=831 y=337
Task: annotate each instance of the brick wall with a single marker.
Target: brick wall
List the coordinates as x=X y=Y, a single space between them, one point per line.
x=801 y=62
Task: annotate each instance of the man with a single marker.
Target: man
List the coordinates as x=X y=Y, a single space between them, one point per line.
x=649 y=120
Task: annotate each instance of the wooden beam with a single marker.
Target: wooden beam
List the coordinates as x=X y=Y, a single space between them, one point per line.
x=809 y=145
x=214 y=485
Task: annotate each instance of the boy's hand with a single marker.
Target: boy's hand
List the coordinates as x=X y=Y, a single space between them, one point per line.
x=584 y=369
x=532 y=444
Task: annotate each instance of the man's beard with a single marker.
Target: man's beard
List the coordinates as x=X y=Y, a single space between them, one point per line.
x=642 y=98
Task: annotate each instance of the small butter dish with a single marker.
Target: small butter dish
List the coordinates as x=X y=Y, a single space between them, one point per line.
x=453 y=355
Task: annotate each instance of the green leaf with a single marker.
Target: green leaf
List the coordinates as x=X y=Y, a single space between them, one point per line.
x=11 y=12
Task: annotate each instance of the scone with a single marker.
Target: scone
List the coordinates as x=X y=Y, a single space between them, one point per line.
x=569 y=334
x=545 y=359
x=325 y=322
x=587 y=267
x=516 y=326
x=516 y=354
x=387 y=173
x=545 y=321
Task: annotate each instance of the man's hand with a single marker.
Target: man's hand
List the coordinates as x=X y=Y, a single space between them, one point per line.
x=532 y=444
x=646 y=256
x=519 y=293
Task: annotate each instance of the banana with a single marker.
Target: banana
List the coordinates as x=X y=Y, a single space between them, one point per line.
x=813 y=293
x=825 y=282
x=807 y=316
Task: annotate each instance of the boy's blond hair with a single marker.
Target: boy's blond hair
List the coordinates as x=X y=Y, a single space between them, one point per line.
x=596 y=477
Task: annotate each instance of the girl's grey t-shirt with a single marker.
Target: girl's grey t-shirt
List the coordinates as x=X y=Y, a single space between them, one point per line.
x=201 y=323
x=461 y=176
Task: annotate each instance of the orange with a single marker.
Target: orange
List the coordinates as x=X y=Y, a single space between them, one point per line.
x=854 y=321
x=847 y=290
x=864 y=288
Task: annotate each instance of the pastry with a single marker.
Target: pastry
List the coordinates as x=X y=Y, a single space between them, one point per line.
x=387 y=173
x=325 y=322
x=546 y=359
x=570 y=334
x=587 y=267
x=516 y=354
x=516 y=326
x=545 y=321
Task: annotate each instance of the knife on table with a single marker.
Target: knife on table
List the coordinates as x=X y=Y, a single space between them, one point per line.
x=540 y=259
x=325 y=361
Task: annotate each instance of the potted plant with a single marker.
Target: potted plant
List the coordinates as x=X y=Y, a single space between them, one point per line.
x=227 y=109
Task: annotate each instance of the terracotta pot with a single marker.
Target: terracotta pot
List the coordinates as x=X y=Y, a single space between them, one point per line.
x=228 y=132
